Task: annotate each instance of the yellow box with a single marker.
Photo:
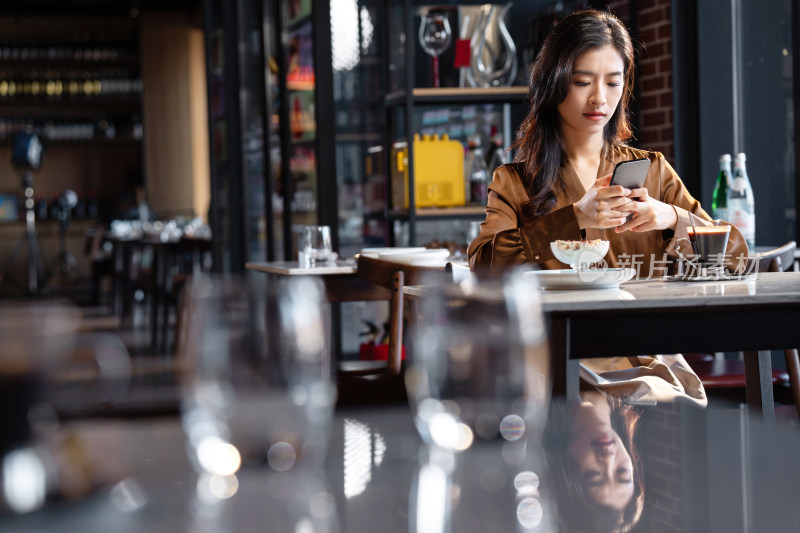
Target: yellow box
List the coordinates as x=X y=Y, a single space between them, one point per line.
x=438 y=172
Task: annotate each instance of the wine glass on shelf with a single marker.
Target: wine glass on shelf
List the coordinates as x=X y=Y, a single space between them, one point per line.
x=434 y=37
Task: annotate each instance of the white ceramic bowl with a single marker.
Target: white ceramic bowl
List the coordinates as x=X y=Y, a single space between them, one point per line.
x=579 y=254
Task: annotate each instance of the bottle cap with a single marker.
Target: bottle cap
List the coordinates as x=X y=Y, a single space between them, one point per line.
x=725 y=158
x=741 y=157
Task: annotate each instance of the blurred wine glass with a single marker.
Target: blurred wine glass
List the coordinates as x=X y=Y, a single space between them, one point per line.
x=435 y=37
x=259 y=387
x=478 y=385
x=50 y=368
x=481 y=364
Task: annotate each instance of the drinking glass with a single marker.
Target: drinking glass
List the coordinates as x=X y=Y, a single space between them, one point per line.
x=47 y=363
x=480 y=364
x=259 y=387
x=317 y=245
x=708 y=245
x=434 y=37
x=478 y=385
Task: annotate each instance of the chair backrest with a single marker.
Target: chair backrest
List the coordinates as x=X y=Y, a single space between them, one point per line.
x=395 y=276
x=382 y=272
x=779 y=259
x=459 y=272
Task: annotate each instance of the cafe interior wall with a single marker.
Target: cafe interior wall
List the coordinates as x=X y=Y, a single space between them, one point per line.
x=168 y=161
x=174 y=109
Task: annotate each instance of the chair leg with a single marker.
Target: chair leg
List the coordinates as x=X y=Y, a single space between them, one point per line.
x=396 y=325
x=793 y=368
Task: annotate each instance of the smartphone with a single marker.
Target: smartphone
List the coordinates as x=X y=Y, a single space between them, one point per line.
x=631 y=174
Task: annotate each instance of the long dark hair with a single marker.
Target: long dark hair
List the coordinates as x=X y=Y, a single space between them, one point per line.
x=577 y=514
x=540 y=147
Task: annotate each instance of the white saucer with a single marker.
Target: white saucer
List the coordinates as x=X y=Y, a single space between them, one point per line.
x=568 y=279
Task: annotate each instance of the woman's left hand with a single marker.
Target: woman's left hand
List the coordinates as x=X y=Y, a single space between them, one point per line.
x=649 y=214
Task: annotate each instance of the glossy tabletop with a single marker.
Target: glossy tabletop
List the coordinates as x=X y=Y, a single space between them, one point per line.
x=713 y=471
x=764 y=288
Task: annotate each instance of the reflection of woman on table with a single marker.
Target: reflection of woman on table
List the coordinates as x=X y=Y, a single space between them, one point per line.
x=558 y=189
x=594 y=466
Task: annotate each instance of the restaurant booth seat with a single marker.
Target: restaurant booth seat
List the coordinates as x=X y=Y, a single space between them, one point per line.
x=729 y=374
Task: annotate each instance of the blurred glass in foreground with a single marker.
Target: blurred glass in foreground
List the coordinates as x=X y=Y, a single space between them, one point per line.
x=479 y=387
x=481 y=367
x=259 y=386
x=259 y=389
x=34 y=337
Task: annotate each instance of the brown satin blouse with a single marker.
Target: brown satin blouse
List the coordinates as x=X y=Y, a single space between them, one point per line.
x=506 y=241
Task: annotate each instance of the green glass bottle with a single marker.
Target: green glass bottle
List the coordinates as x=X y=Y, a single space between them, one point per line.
x=719 y=202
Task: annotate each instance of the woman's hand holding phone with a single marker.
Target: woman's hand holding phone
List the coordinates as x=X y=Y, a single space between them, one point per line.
x=603 y=206
x=649 y=213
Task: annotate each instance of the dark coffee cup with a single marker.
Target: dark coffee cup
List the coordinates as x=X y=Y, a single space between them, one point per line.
x=709 y=244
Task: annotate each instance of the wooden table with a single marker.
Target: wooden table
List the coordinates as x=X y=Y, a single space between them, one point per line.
x=660 y=317
x=340 y=279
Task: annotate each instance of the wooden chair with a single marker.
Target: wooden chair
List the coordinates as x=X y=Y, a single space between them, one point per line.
x=729 y=373
x=394 y=276
x=459 y=272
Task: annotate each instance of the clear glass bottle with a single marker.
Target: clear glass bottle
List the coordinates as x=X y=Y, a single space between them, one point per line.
x=741 y=206
x=475 y=172
x=719 y=202
x=497 y=155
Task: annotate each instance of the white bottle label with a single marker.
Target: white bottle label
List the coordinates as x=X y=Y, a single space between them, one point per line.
x=742 y=217
x=738 y=184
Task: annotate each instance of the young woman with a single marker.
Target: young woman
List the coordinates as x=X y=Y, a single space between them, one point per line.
x=567 y=147
x=558 y=189
x=593 y=465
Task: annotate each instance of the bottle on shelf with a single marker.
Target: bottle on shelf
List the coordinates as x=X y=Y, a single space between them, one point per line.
x=719 y=202
x=741 y=206
x=475 y=172
x=497 y=155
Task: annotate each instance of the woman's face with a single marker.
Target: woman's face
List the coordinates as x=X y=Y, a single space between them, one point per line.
x=605 y=466
x=595 y=91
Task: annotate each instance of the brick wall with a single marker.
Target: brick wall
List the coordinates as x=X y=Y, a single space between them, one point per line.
x=654 y=72
x=660 y=443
